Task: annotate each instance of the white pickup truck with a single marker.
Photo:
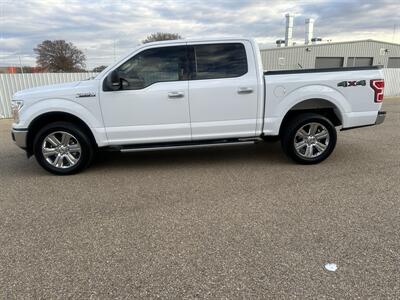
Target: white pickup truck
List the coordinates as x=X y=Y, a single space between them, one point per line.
x=193 y=93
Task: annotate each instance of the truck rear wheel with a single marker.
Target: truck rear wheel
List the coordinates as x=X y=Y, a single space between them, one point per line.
x=308 y=138
x=62 y=148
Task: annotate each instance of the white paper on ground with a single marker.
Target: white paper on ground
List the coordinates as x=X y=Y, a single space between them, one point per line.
x=331 y=267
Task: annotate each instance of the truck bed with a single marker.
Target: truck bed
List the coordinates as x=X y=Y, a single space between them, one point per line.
x=347 y=91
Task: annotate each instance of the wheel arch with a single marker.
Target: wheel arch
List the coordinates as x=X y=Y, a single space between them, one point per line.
x=54 y=116
x=320 y=106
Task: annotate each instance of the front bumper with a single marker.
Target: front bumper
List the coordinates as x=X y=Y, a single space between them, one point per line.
x=380 y=118
x=19 y=137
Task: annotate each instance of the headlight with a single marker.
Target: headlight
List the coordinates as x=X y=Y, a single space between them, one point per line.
x=16 y=106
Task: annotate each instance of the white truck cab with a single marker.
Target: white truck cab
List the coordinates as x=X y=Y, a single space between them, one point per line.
x=191 y=93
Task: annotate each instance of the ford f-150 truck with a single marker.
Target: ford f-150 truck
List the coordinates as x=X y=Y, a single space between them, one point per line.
x=193 y=93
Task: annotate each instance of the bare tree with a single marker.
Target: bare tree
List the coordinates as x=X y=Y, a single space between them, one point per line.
x=161 y=36
x=59 y=56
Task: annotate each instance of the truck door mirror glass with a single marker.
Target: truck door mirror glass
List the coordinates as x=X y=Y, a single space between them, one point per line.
x=112 y=82
x=116 y=82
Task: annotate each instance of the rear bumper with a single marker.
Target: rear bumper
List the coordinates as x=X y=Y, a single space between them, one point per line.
x=380 y=118
x=19 y=137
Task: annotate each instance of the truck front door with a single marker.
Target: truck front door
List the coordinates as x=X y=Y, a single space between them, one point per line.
x=152 y=104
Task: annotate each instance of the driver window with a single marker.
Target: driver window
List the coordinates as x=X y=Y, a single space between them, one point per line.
x=154 y=65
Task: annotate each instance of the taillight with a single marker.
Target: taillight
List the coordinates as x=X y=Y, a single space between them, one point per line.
x=378 y=86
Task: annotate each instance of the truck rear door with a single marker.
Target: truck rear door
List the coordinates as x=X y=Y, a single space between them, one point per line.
x=222 y=90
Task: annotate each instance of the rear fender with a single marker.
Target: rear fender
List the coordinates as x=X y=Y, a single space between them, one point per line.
x=277 y=108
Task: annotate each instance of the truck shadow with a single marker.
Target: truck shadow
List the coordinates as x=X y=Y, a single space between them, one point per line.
x=263 y=153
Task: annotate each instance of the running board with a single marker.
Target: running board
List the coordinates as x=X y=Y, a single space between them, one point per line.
x=141 y=148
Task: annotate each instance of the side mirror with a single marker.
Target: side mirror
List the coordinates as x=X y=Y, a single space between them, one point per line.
x=113 y=81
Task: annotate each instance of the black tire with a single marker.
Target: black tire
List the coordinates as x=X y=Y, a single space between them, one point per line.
x=84 y=157
x=288 y=137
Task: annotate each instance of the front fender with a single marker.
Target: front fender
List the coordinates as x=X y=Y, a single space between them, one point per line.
x=91 y=117
x=58 y=105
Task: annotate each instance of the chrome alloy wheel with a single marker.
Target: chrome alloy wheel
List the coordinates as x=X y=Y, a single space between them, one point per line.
x=61 y=149
x=311 y=140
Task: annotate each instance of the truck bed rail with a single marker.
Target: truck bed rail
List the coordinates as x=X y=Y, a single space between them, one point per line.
x=322 y=70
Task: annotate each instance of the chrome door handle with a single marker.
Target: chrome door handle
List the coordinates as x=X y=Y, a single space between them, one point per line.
x=245 y=90
x=174 y=95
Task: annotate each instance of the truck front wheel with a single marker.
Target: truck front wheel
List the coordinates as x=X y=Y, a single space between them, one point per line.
x=308 y=138
x=62 y=148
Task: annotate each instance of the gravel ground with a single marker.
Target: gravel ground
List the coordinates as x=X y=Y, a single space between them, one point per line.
x=234 y=222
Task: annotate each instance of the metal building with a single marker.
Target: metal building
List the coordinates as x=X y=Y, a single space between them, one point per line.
x=331 y=55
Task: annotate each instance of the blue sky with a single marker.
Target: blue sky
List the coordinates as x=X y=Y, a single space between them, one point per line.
x=95 y=26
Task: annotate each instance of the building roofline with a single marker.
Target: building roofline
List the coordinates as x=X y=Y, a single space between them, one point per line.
x=326 y=44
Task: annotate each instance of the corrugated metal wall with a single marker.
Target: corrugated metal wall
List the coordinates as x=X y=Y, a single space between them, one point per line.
x=12 y=83
x=303 y=57
x=392 y=82
x=298 y=57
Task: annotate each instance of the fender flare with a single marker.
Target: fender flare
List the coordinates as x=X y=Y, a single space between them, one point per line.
x=313 y=92
x=322 y=92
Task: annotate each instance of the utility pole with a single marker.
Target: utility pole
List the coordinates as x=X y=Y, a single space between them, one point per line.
x=20 y=64
x=114 y=50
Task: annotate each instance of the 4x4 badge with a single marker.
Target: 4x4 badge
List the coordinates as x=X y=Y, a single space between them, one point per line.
x=352 y=83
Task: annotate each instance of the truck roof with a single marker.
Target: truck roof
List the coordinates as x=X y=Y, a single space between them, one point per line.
x=201 y=39
x=177 y=42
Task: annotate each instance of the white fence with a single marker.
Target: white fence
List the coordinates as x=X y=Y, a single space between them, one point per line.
x=392 y=82
x=11 y=83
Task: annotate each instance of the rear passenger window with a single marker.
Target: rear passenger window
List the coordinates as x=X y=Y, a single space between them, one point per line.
x=219 y=61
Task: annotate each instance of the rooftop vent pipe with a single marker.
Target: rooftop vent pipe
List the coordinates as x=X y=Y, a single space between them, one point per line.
x=289 y=29
x=309 y=31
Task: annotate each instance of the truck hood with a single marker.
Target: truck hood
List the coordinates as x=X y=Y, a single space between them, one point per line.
x=65 y=90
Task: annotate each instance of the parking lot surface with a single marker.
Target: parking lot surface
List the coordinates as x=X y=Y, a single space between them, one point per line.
x=231 y=222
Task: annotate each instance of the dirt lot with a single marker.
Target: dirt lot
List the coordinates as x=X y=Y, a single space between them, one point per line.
x=235 y=222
